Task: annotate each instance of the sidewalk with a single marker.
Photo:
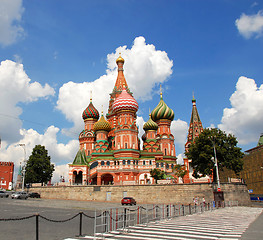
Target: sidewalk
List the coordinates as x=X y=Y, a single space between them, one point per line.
x=255 y=229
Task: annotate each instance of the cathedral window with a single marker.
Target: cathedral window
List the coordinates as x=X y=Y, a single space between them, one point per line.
x=143 y=162
x=108 y=163
x=161 y=164
x=123 y=162
x=88 y=152
x=167 y=166
x=129 y=162
x=150 y=162
x=126 y=145
x=157 y=164
x=102 y=163
x=165 y=151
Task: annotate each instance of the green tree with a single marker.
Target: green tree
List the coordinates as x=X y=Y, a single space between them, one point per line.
x=201 y=152
x=179 y=171
x=157 y=174
x=39 y=168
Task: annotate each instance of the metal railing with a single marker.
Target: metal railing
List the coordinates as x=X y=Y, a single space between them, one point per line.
x=120 y=219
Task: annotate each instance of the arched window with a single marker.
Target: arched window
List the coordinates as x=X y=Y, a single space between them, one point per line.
x=161 y=164
x=167 y=165
x=123 y=162
x=157 y=164
x=143 y=162
x=102 y=163
x=108 y=163
x=126 y=145
x=129 y=162
x=165 y=153
x=150 y=162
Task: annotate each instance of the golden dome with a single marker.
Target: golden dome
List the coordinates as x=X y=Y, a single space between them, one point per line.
x=120 y=59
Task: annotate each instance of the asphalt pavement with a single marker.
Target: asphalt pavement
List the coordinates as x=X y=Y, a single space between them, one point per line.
x=53 y=226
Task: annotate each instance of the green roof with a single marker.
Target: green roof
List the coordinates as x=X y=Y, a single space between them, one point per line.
x=81 y=158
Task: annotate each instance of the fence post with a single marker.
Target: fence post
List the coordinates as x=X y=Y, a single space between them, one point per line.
x=95 y=222
x=183 y=209
x=189 y=208
x=80 y=224
x=37 y=225
x=125 y=212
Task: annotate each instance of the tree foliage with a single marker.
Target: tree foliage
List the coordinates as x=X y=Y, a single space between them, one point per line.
x=179 y=171
x=39 y=168
x=201 y=152
x=157 y=174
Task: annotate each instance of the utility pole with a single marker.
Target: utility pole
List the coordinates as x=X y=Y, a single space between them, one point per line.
x=24 y=165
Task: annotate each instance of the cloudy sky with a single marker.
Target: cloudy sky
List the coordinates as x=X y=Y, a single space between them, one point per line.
x=53 y=53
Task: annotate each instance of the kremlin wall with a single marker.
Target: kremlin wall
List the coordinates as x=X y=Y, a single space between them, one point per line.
x=150 y=194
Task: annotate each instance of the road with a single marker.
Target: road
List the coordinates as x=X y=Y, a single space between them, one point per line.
x=51 y=209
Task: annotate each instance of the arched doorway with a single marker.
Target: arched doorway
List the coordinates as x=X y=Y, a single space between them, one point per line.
x=77 y=177
x=107 y=179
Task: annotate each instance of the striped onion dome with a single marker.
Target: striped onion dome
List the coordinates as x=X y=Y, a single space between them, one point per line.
x=162 y=111
x=90 y=112
x=150 y=125
x=125 y=102
x=102 y=125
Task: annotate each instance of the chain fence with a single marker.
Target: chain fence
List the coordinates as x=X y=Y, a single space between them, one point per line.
x=120 y=219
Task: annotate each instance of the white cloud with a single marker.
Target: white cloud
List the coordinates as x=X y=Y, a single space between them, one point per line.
x=179 y=129
x=180 y=158
x=16 y=87
x=59 y=153
x=250 y=25
x=244 y=119
x=61 y=171
x=144 y=68
x=10 y=19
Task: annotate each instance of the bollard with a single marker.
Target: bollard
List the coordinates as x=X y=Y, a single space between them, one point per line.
x=37 y=225
x=80 y=224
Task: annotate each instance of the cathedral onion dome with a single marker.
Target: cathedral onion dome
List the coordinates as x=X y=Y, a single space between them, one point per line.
x=162 y=111
x=150 y=125
x=120 y=59
x=102 y=125
x=90 y=112
x=125 y=102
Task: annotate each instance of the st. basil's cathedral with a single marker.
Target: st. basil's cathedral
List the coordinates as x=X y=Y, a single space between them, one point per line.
x=109 y=149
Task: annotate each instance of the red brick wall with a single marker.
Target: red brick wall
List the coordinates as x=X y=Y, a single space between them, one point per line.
x=6 y=174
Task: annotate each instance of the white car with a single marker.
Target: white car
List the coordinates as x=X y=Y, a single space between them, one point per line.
x=19 y=195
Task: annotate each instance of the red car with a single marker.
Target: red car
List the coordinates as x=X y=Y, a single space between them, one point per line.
x=128 y=201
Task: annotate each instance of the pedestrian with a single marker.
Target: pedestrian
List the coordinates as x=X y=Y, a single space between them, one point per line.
x=204 y=201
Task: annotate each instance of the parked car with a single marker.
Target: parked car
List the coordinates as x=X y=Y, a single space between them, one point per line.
x=3 y=194
x=34 y=195
x=19 y=195
x=128 y=201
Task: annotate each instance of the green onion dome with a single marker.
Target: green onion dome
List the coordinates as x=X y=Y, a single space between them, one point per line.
x=162 y=111
x=150 y=125
x=102 y=125
x=90 y=112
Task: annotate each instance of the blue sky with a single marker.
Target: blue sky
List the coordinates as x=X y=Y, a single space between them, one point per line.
x=53 y=53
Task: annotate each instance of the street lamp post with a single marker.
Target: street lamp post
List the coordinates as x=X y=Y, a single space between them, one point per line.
x=214 y=159
x=24 y=165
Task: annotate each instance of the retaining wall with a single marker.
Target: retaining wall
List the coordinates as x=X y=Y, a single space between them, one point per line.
x=172 y=193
